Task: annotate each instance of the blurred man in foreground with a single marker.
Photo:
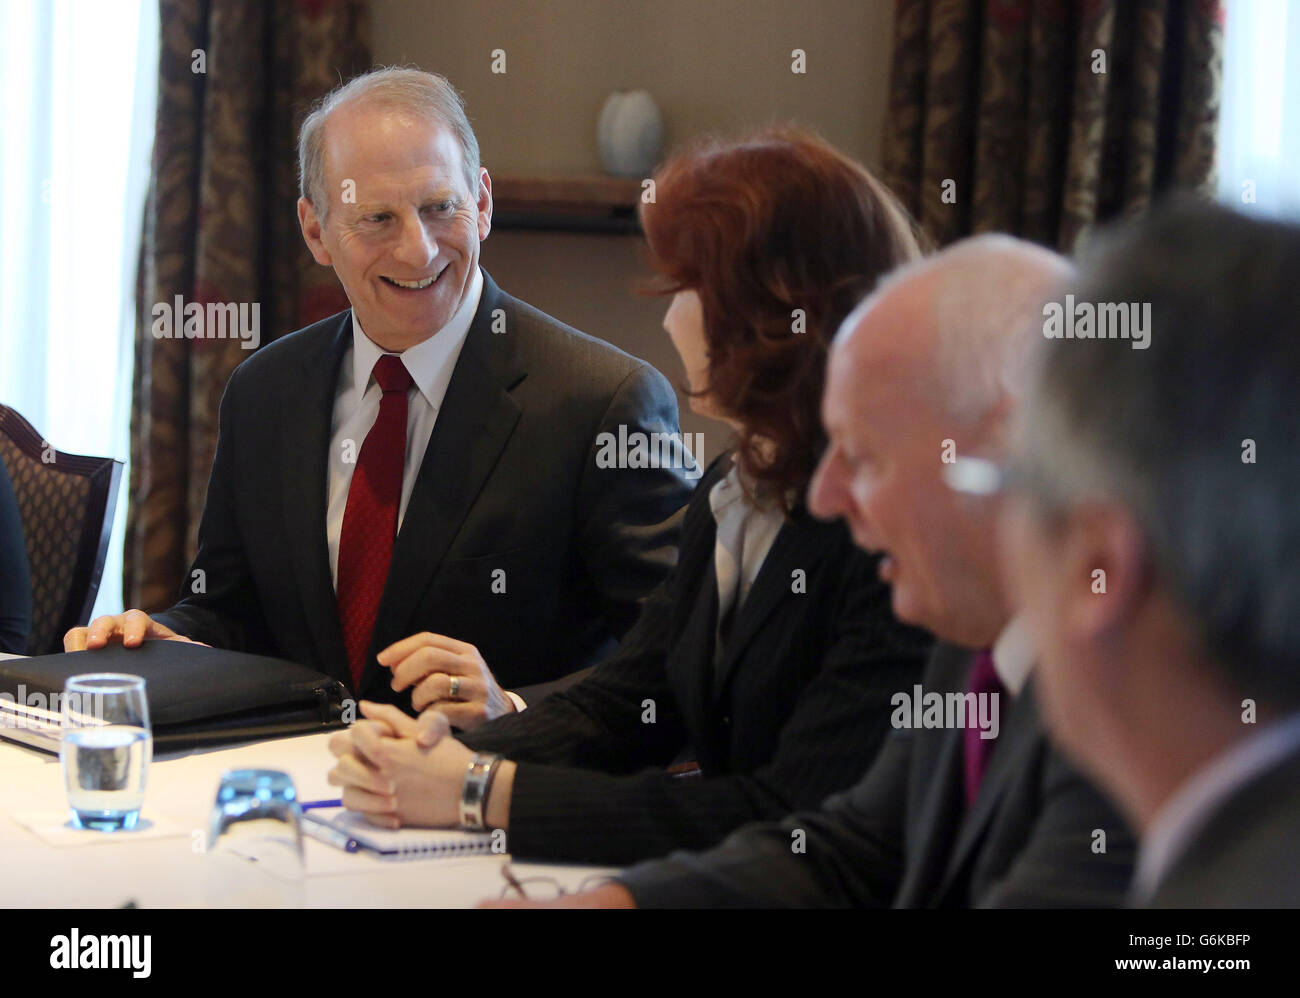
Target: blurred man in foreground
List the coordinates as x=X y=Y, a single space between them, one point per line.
x=1155 y=546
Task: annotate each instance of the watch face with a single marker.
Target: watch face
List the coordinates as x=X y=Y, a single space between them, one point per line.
x=478 y=777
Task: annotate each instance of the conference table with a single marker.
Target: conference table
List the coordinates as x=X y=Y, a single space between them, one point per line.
x=166 y=865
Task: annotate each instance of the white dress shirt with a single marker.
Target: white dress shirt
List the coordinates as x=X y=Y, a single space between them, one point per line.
x=1013 y=656
x=745 y=535
x=1195 y=801
x=356 y=407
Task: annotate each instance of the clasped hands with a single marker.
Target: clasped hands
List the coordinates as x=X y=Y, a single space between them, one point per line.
x=397 y=770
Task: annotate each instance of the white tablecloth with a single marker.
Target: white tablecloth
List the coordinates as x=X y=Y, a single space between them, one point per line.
x=174 y=872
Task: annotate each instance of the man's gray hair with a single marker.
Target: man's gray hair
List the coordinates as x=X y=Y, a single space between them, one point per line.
x=420 y=94
x=1195 y=434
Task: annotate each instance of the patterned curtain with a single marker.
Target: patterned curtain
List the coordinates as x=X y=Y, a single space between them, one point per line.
x=1042 y=118
x=235 y=80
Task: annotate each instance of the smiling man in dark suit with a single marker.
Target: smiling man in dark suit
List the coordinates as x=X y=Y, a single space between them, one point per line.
x=406 y=495
x=926 y=369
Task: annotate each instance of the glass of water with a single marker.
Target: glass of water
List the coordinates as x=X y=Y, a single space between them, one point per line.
x=257 y=817
x=105 y=748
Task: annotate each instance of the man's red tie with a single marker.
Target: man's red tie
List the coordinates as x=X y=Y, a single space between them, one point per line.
x=370 y=517
x=983 y=679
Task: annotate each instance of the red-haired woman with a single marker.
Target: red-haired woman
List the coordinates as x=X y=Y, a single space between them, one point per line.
x=770 y=654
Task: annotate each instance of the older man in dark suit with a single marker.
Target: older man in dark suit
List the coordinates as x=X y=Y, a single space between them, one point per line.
x=967 y=804
x=1156 y=547
x=407 y=495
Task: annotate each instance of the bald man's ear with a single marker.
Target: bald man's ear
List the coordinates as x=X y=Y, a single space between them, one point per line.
x=311 y=232
x=1001 y=418
x=992 y=435
x=484 y=204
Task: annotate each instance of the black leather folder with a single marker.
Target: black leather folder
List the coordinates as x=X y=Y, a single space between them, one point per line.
x=198 y=696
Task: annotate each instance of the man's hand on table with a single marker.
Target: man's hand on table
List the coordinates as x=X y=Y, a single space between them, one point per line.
x=448 y=676
x=132 y=628
x=605 y=896
x=398 y=771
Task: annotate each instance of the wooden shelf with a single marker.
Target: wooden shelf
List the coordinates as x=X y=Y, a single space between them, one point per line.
x=566 y=202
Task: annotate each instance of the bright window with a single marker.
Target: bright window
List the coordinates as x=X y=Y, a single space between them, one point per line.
x=1259 y=131
x=77 y=91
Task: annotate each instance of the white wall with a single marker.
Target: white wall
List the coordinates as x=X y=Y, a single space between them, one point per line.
x=711 y=65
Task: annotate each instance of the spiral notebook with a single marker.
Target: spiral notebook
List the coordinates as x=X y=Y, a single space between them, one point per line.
x=351 y=832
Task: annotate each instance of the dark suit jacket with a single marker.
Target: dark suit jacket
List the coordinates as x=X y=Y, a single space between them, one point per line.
x=796 y=707
x=904 y=837
x=509 y=481
x=1244 y=856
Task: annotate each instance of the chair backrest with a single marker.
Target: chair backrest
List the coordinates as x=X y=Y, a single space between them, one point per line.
x=66 y=502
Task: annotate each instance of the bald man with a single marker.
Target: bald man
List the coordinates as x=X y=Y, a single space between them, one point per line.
x=966 y=807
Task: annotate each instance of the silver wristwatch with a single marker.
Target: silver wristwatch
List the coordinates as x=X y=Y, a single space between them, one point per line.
x=474 y=792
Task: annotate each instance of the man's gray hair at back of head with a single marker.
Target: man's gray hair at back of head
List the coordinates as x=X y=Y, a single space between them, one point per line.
x=1193 y=434
x=420 y=94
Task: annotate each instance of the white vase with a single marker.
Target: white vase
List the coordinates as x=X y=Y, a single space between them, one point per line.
x=630 y=132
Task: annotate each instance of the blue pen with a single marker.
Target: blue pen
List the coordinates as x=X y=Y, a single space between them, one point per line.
x=312 y=805
x=330 y=836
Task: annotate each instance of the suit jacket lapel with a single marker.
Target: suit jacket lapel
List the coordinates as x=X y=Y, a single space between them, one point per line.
x=932 y=825
x=477 y=417
x=305 y=422
x=799 y=544
x=1018 y=739
x=690 y=664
